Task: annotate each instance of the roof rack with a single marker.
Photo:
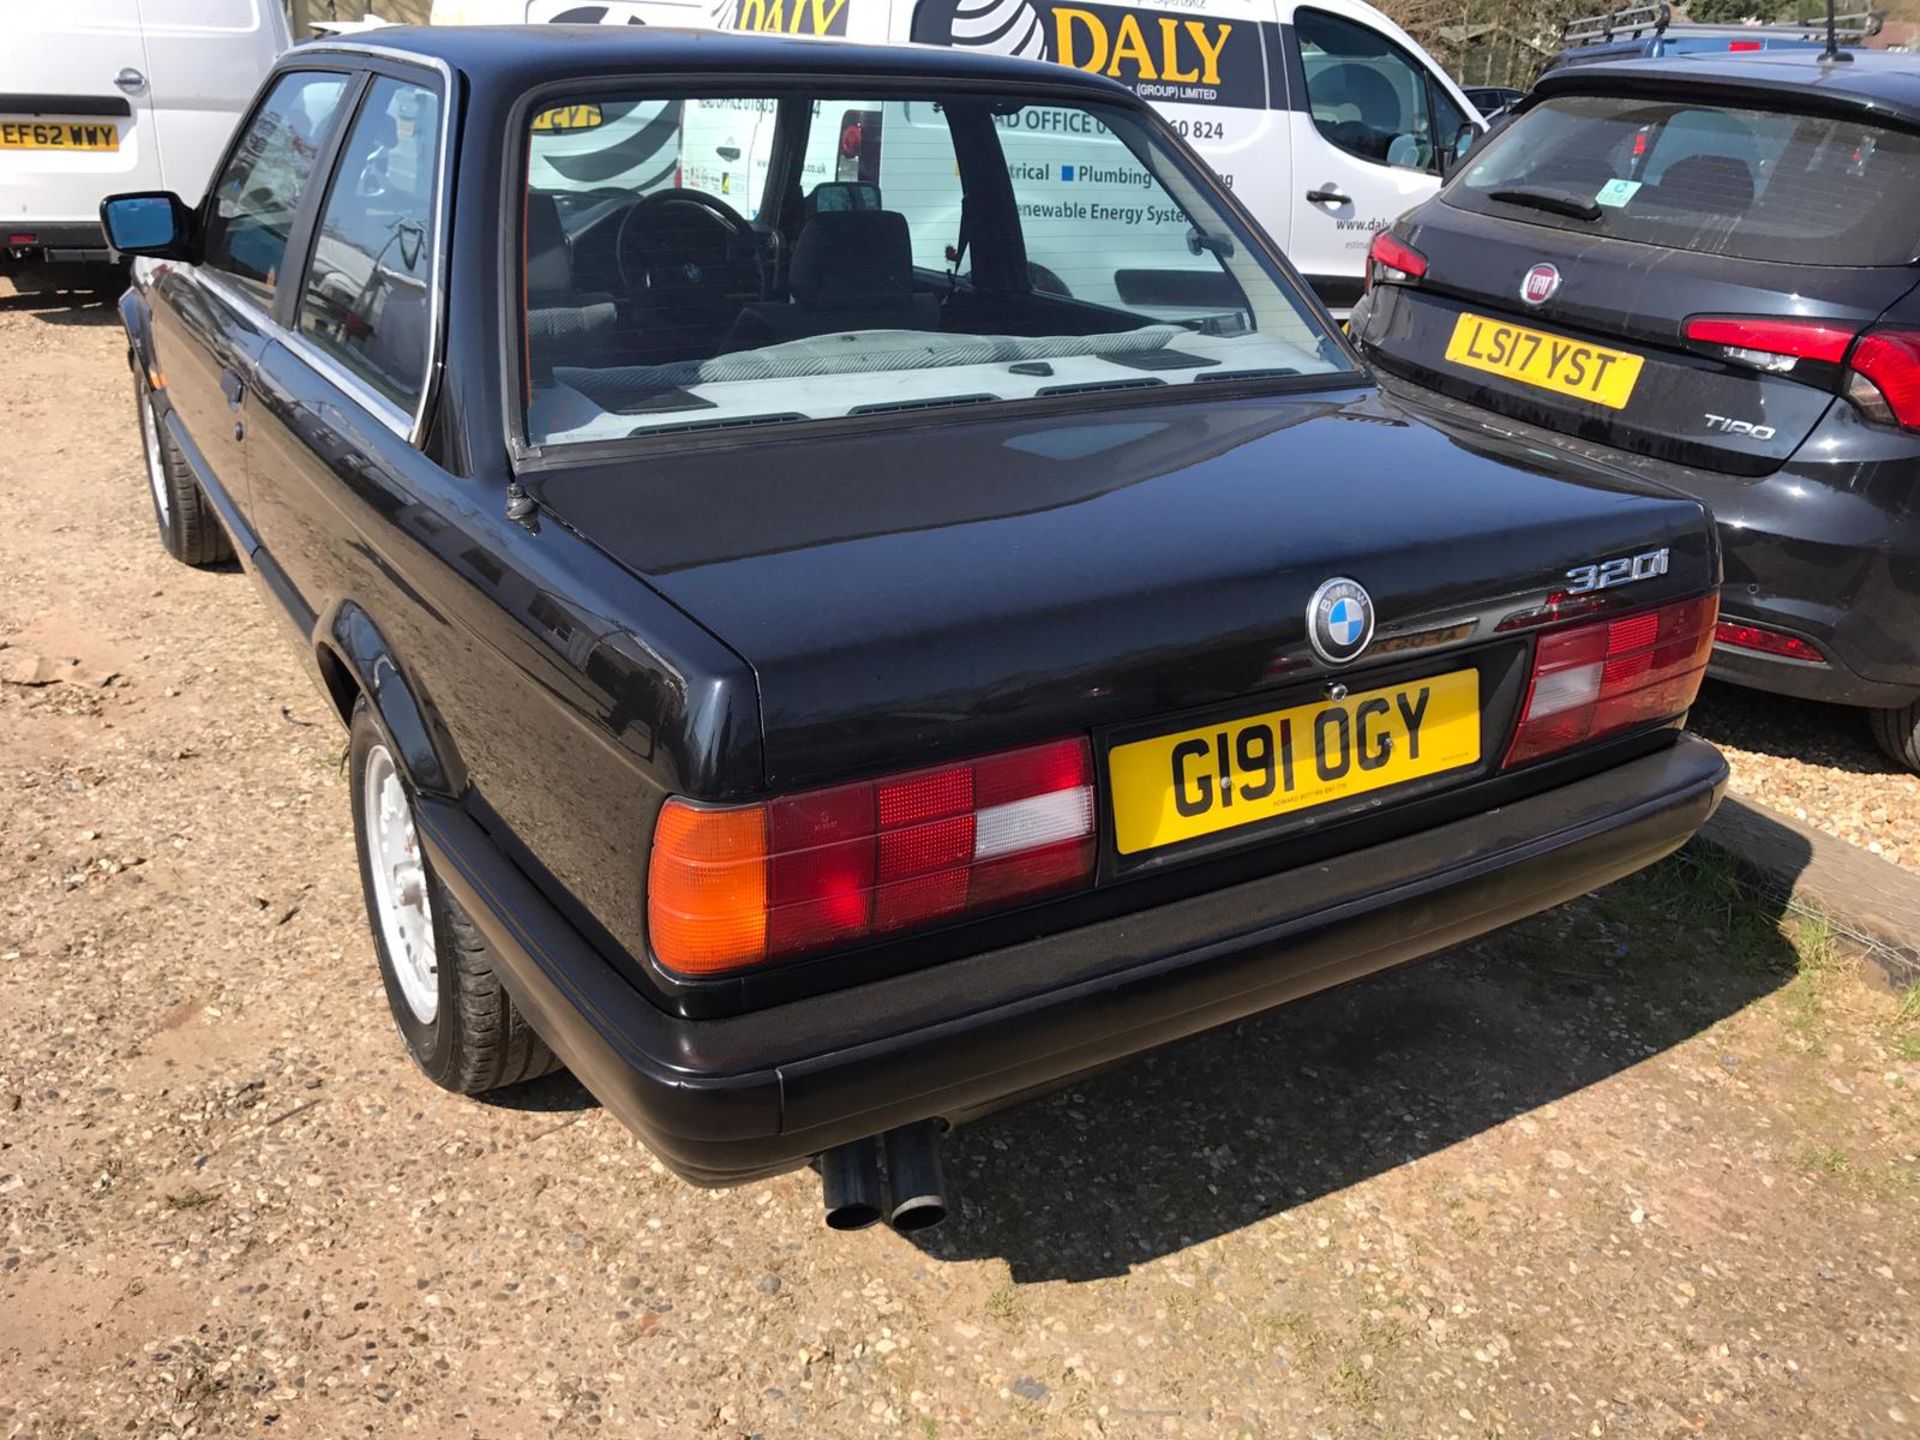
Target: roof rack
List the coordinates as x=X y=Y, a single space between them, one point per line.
x=1635 y=21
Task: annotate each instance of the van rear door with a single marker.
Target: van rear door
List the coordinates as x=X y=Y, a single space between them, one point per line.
x=75 y=120
x=205 y=61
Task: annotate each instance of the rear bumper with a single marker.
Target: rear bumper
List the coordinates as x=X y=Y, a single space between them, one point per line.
x=1825 y=550
x=722 y=1101
x=57 y=242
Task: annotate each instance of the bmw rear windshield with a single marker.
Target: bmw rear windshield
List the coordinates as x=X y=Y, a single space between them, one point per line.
x=747 y=257
x=1685 y=175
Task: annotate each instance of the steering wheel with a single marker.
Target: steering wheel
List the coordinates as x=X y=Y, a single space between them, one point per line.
x=687 y=250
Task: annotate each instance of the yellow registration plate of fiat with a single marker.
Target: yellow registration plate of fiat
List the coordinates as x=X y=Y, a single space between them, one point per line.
x=1239 y=772
x=1547 y=362
x=19 y=134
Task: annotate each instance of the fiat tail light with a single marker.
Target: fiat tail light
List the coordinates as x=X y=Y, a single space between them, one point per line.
x=734 y=885
x=1595 y=678
x=1391 y=261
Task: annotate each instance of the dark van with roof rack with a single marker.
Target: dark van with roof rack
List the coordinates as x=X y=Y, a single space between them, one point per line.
x=1650 y=32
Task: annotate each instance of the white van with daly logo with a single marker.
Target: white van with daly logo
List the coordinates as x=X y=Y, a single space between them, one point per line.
x=103 y=97
x=1325 y=118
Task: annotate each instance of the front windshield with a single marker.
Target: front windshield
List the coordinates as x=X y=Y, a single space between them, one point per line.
x=729 y=259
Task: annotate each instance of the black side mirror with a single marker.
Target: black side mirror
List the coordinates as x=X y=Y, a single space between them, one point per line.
x=154 y=223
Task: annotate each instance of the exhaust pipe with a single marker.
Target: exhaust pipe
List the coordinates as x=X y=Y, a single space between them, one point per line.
x=916 y=1188
x=850 y=1184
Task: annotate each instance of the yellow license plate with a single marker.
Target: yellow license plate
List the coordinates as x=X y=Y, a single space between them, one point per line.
x=1548 y=362
x=1240 y=772
x=59 y=135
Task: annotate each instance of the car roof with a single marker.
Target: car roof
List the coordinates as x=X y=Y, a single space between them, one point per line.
x=1878 y=83
x=520 y=55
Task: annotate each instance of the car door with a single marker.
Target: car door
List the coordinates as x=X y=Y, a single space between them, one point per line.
x=346 y=381
x=212 y=319
x=75 y=112
x=1369 y=140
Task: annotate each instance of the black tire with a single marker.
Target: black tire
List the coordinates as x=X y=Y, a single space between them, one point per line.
x=1898 y=733
x=189 y=529
x=476 y=1040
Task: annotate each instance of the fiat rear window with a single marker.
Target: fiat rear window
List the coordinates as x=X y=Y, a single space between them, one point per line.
x=1747 y=184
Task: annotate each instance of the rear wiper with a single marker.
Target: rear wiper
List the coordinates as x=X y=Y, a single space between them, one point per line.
x=1555 y=201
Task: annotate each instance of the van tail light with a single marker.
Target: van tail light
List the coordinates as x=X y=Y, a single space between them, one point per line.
x=731 y=886
x=1391 y=261
x=1883 y=377
x=1606 y=675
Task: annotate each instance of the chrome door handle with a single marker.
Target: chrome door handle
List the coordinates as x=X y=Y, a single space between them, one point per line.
x=130 y=80
x=1327 y=195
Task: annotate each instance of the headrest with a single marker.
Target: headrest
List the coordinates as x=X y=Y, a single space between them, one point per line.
x=549 y=263
x=852 y=257
x=1720 y=183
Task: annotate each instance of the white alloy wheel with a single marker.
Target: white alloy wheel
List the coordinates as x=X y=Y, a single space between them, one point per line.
x=403 y=910
x=156 y=460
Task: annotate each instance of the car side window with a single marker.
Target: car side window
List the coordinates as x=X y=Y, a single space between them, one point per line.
x=1366 y=94
x=254 y=201
x=367 y=299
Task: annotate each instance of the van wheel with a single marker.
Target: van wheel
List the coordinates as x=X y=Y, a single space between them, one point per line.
x=460 y=1025
x=1898 y=733
x=188 y=527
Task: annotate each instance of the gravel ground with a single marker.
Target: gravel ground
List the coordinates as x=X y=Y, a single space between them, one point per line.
x=1816 y=763
x=1645 y=1166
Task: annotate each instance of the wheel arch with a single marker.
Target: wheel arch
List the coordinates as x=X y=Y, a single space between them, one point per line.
x=354 y=660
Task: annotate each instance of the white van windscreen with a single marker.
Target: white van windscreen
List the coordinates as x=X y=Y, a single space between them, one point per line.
x=724 y=260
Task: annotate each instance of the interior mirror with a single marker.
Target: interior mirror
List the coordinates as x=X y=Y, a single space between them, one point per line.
x=153 y=222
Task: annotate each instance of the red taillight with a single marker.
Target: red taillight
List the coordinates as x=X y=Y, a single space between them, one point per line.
x=1743 y=45
x=1392 y=261
x=1738 y=635
x=23 y=237
x=731 y=886
x=1771 y=344
x=850 y=139
x=1884 y=377
x=1592 y=679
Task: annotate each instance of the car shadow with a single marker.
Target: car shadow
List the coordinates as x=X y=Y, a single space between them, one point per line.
x=557 y=1094
x=81 y=306
x=1235 y=1126
x=1779 y=725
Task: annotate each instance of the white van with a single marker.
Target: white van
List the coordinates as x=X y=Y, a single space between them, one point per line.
x=1325 y=118
x=102 y=97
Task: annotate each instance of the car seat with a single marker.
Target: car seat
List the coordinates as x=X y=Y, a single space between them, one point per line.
x=564 y=322
x=851 y=270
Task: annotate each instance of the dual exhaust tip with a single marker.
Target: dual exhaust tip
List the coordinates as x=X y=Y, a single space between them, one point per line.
x=915 y=1194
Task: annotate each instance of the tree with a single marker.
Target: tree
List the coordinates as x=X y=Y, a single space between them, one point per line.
x=1734 y=12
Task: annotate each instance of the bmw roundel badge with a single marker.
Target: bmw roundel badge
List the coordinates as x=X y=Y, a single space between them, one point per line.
x=1340 y=621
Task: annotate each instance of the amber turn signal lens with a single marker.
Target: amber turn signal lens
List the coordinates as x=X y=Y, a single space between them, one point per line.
x=707 y=887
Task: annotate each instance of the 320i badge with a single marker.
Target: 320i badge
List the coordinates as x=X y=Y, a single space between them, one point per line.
x=819 y=697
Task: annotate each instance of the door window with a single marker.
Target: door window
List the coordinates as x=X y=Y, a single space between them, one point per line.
x=1367 y=95
x=258 y=194
x=367 y=299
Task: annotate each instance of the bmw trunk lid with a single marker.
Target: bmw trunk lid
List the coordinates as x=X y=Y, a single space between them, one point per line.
x=907 y=591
